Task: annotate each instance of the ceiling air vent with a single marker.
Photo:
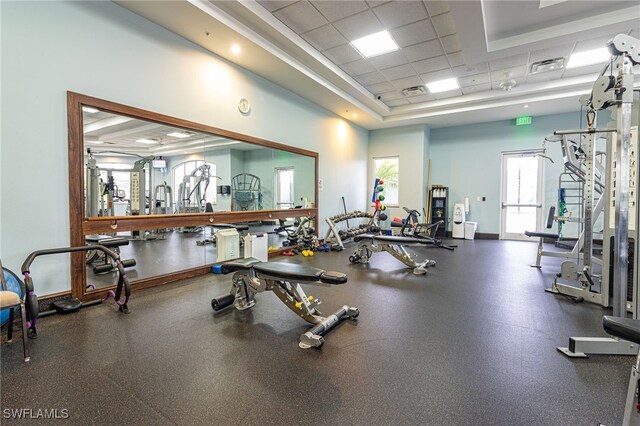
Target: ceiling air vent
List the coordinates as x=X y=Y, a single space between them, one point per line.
x=414 y=91
x=547 y=65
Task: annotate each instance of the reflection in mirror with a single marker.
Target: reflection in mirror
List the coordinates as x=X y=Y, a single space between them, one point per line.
x=136 y=167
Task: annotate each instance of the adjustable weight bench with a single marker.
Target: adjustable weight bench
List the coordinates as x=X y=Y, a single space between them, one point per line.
x=542 y=236
x=628 y=329
x=395 y=246
x=252 y=276
x=106 y=263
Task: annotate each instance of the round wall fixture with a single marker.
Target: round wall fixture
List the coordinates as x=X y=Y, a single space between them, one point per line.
x=243 y=106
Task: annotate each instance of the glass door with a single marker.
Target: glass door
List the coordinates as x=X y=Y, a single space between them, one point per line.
x=521 y=195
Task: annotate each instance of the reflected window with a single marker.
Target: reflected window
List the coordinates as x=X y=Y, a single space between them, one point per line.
x=284 y=188
x=196 y=185
x=386 y=169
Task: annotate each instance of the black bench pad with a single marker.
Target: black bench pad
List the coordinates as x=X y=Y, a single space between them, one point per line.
x=624 y=328
x=231 y=226
x=106 y=241
x=294 y=272
x=541 y=235
x=390 y=239
x=239 y=264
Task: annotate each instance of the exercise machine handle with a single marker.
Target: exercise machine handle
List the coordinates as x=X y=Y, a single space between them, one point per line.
x=29 y=260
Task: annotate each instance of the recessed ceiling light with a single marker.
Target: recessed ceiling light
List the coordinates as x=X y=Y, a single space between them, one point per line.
x=443 y=85
x=375 y=44
x=235 y=49
x=526 y=106
x=354 y=115
x=148 y=141
x=588 y=57
x=89 y=110
x=180 y=134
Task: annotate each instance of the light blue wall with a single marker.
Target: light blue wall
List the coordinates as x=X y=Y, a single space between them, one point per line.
x=467 y=159
x=411 y=145
x=102 y=50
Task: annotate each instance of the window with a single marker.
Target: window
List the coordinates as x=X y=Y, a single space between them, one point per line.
x=386 y=168
x=182 y=174
x=284 y=188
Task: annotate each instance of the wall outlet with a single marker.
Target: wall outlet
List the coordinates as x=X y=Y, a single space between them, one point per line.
x=320 y=185
x=484 y=198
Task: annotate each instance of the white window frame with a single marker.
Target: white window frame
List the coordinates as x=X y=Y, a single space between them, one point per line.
x=276 y=201
x=374 y=170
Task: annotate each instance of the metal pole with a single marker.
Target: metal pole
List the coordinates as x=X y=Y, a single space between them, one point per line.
x=588 y=202
x=621 y=249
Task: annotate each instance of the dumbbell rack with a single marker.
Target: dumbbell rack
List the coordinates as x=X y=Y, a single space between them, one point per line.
x=336 y=238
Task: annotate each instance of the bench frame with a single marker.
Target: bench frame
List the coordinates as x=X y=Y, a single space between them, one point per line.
x=368 y=245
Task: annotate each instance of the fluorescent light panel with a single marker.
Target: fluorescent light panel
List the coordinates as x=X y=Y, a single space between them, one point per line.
x=588 y=57
x=183 y=134
x=443 y=85
x=147 y=141
x=375 y=44
x=89 y=110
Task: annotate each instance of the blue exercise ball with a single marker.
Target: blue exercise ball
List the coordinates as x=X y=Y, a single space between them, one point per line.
x=13 y=284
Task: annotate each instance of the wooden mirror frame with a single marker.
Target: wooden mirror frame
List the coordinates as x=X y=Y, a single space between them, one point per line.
x=80 y=225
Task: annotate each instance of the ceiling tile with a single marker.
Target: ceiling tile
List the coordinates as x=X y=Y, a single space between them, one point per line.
x=436 y=7
x=545 y=76
x=396 y=102
x=436 y=76
x=335 y=10
x=444 y=24
x=590 y=69
x=374 y=3
x=451 y=43
x=465 y=70
x=496 y=84
x=360 y=25
x=473 y=80
x=324 y=38
x=300 y=17
x=420 y=99
x=456 y=59
x=342 y=54
x=448 y=94
x=593 y=43
x=398 y=13
x=475 y=89
x=431 y=64
x=515 y=73
x=388 y=60
x=428 y=49
x=390 y=96
x=272 y=6
x=509 y=62
x=554 y=52
x=361 y=66
x=396 y=73
x=414 y=33
x=381 y=88
x=370 y=78
x=403 y=83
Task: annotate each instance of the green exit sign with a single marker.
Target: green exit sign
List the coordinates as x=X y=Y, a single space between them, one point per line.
x=523 y=120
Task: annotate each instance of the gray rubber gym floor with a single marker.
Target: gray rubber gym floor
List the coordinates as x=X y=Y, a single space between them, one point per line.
x=473 y=342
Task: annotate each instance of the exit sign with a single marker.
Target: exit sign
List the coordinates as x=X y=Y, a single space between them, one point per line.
x=523 y=120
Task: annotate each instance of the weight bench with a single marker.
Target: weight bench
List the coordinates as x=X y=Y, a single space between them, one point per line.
x=212 y=240
x=114 y=243
x=252 y=276
x=628 y=329
x=395 y=246
x=542 y=236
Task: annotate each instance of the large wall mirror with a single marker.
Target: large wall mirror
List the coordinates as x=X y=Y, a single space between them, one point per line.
x=161 y=187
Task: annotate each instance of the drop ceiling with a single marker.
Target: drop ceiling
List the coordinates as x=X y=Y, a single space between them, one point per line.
x=304 y=46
